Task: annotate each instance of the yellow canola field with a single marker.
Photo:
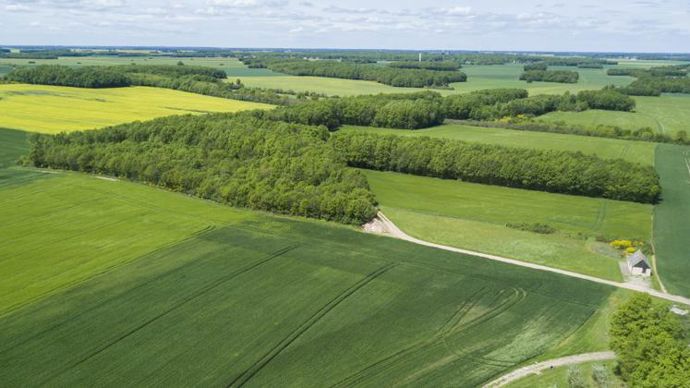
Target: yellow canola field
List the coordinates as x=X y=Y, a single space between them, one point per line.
x=52 y=109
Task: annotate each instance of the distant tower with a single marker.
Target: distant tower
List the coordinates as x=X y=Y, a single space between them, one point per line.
x=420 y=57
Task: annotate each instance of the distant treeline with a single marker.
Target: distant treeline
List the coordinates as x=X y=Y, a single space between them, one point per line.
x=374 y=56
x=193 y=79
x=552 y=171
x=104 y=76
x=656 y=80
x=427 y=109
x=561 y=76
x=494 y=104
x=426 y=65
x=601 y=130
x=235 y=159
x=84 y=77
x=536 y=66
x=408 y=111
x=399 y=77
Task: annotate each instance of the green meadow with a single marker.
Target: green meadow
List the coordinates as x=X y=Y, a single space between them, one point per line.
x=110 y=283
x=634 y=151
x=506 y=76
x=479 y=77
x=475 y=217
x=672 y=218
x=665 y=114
x=52 y=109
x=328 y=86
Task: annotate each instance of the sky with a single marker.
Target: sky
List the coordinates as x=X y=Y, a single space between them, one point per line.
x=519 y=25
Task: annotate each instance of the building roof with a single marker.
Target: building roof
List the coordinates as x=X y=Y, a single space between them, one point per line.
x=638 y=259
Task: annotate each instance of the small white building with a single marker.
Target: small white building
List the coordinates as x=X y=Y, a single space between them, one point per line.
x=639 y=265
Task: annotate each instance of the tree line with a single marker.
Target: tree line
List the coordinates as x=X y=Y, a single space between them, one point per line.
x=193 y=79
x=398 y=77
x=235 y=159
x=492 y=104
x=560 y=76
x=428 y=109
x=601 y=130
x=84 y=77
x=552 y=171
x=427 y=65
x=407 y=111
x=651 y=344
x=656 y=80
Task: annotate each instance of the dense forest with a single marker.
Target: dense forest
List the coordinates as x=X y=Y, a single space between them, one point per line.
x=551 y=171
x=235 y=159
x=427 y=109
x=651 y=344
x=408 y=111
x=560 y=76
x=399 y=77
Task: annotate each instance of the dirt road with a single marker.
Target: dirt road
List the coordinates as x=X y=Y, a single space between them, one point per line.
x=544 y=365
x=382 y=225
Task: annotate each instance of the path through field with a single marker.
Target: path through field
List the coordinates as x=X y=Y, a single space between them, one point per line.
x=548 y=364
x=384 y=225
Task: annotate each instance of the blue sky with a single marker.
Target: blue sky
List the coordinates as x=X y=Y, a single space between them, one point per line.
x=575 y=25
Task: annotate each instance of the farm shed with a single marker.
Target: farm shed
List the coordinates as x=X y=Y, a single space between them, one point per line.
x=639 y=265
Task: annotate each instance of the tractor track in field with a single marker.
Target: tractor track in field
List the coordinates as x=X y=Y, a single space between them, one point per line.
x=385 y=226
x=250 y=372
x=176 y=306
x=500 y=303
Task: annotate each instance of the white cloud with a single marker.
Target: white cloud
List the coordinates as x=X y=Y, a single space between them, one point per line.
x=454 y=24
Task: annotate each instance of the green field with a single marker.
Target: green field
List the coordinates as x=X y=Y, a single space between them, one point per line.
x=51 y=109
x=109 y=283
x=232 y=66
x=13 y=144
x=666 y=114
x=634 y=151
x=506 y=76
x=479 y=77
x=474 y=216
x=328 y=86
x=61 y=229
x=672 y=218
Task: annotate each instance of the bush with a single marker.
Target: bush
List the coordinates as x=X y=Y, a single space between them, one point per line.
x=535 y=228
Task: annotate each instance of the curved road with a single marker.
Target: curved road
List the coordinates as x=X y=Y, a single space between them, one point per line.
x=394 y=231
x=544 y=365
